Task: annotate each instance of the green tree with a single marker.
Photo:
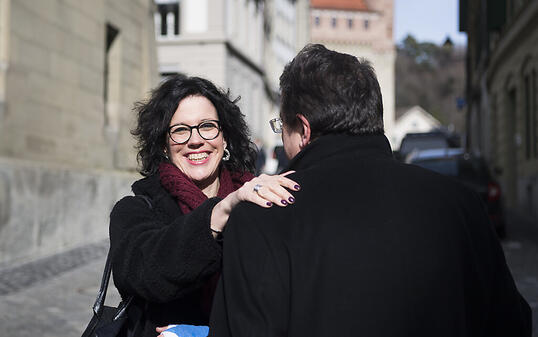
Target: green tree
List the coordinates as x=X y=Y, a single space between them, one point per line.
x=431 y=76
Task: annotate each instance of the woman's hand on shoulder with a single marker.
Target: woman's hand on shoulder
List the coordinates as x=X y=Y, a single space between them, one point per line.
x=268 y=190
x=264 y=190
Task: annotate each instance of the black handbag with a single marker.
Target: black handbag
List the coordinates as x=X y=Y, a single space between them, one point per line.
x=106 y=321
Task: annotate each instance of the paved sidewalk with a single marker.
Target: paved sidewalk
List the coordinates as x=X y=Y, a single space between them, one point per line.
x=51 y=306
x=13 y=279
x=521 y=252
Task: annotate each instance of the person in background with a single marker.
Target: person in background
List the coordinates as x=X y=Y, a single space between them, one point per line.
x=372 y=247
x=260 y=156
x=166 y=241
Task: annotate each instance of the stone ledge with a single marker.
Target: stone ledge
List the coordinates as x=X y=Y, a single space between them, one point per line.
x=48 y=209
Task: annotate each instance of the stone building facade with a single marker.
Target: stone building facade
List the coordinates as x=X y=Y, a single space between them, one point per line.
x=218 y=40
x=286 y=32
x=502 y=91
x=69 y=74
x=241 y=45
x=363 y=28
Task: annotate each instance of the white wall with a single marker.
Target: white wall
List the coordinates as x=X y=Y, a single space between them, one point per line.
x=412 y=121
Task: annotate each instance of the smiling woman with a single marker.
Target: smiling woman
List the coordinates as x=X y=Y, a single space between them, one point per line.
x=197 y=154
x=197 y=160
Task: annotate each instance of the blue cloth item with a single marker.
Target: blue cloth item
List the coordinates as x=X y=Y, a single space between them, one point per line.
x=184 y=330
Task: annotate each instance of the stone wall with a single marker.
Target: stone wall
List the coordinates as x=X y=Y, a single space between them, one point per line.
x=46 y=209
x=55 y=84
x=510 y=132
x=70 y=72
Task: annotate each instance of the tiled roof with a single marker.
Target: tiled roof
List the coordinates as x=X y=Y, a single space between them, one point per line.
x=355 y=5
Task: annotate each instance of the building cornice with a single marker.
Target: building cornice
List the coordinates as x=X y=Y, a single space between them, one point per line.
x=212 y=39
x=344 y=13
x=230 y=47
x=367 y=44
x=243 y=57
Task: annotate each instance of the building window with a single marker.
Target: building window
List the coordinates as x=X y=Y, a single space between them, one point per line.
x=167 y=18
x=366 y=24
x=494 y=129
x=166 y=75
x=333 y=22
x=510 y=8
x=350 y=23
x=317 y=21
x=528 y=117
x=111 y=68
x=534 y=118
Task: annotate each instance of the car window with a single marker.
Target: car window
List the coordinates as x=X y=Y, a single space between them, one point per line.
x=471 y=170
x=445 y=166
x=422 y=143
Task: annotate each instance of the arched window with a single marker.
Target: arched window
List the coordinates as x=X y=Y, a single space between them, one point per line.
x=530 y=109
x=167 y=18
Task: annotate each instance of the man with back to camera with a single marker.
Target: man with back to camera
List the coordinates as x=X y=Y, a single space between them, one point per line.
x=371 y=246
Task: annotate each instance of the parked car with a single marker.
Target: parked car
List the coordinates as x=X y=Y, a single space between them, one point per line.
x=426 y=140
x=471 y=171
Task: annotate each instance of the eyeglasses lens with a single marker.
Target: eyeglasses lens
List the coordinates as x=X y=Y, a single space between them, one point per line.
x=208 y=130
x=276 y=125
x=182 y=133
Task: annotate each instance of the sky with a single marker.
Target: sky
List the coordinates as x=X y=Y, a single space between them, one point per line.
x=428 y=20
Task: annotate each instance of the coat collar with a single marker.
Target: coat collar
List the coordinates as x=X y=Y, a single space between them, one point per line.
x=331 y=145
x=149 y=186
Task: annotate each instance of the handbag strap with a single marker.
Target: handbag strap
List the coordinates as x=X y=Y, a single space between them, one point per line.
x=101 y=295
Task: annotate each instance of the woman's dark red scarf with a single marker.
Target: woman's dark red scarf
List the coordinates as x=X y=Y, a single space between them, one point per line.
x=189 y=196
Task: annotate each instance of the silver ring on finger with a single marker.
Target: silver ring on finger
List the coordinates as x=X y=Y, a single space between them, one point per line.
x=257 y=188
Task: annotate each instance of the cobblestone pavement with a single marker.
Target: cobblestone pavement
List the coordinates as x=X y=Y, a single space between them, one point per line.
x=20 y=277
x=53 y=297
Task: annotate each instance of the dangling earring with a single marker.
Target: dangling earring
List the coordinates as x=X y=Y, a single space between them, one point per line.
x=166 y=155
x=227 y=155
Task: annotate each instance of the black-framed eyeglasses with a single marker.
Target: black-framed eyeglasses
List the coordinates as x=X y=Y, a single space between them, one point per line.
x=276 y=125
x=181 y=133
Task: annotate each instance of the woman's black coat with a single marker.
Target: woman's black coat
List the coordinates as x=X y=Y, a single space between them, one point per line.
x=162 y=257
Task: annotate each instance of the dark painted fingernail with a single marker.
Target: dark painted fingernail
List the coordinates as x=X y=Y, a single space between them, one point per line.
x=284 y=202
x=297 y=187
x=269 y=204
x=291 y=199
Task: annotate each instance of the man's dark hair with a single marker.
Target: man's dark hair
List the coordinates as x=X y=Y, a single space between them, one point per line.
x=154 y=116
x=337 y=93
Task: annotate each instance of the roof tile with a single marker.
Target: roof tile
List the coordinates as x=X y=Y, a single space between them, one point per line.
x=356 y=5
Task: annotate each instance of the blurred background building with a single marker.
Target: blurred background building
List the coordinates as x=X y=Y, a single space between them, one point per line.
x=412 y=120
x=362 y=28
x=240 y=45
x=69 y=74
x=501 y=90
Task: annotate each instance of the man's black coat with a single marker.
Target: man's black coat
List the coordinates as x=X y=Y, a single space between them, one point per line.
x=371 y=247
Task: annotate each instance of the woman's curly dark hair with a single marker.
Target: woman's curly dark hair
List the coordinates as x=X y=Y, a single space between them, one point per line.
x=155 y=114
